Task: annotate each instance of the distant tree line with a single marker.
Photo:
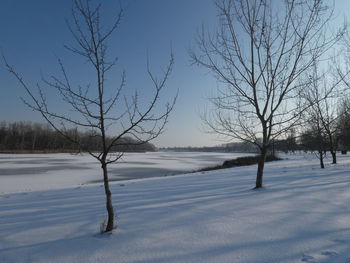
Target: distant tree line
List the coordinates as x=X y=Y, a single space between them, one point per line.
x=322 y=133
x=331 y=133
x=328 y=134
x=228 y=147
x=27 y=136
x=310 y=140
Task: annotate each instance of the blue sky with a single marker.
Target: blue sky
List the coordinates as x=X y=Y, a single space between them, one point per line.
x=32 y=34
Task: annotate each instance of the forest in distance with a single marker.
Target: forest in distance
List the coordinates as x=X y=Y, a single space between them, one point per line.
x=26 y=137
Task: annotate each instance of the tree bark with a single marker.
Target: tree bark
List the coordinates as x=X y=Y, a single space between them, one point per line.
x=260 y=172
x=321 y=159
x=33 y=142
x=334 y=157
x=109 y=206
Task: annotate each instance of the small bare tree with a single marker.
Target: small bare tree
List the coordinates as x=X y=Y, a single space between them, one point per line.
x=109 y=115
x=260 y=53
x=313 y=138
x=322 y=97
x=344 y=124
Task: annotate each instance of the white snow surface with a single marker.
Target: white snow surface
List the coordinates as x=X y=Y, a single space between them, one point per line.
x=32 y=172
x=301 y=215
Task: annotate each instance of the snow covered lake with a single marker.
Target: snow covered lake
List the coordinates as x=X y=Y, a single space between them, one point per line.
x=28 y=172
x=302 y=215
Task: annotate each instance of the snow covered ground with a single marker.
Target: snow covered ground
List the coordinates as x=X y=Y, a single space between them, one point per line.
x=302 y=215
x=28 y=172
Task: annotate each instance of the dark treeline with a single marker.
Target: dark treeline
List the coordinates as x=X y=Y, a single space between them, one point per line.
x=308 y=139
x=229 y=147
x=327 y=138
x=27 y=137
x=331 y=137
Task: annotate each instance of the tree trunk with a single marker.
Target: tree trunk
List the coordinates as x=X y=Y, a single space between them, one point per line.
x=33 y=142
x=334 y=157
x=321 y=159
x=109 y=206
x=260 y=172
x=22 y=141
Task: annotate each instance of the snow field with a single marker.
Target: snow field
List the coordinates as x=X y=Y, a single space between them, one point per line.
x=33 y=172
x=302 y=215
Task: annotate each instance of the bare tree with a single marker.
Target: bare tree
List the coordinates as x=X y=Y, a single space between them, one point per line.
x=344 y=124
x=260 y=52
x=322 y=97
x=342 y=70
x=314 y=139
x=102 y=112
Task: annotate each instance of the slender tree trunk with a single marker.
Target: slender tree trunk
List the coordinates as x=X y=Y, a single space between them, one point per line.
x=109 y=206
x=332 y=147
x=33 y=142
x=334 y=157
x=22 y=141
x=260 y=172
x=321 y=159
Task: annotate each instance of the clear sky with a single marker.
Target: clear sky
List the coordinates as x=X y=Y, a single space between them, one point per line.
x=32 y=34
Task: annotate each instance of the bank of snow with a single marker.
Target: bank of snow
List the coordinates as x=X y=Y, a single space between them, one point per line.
x=301 y=216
